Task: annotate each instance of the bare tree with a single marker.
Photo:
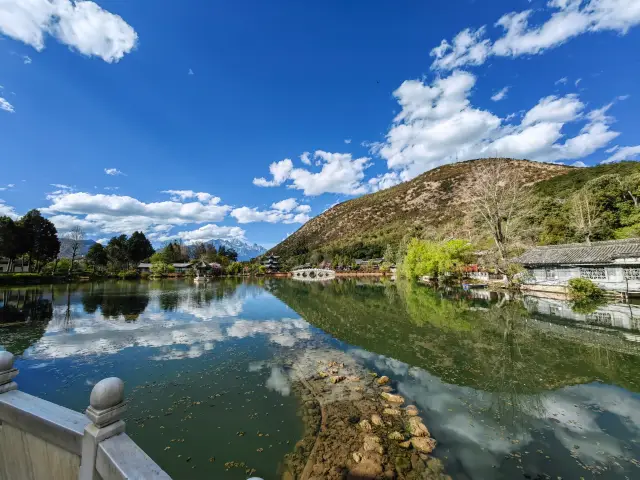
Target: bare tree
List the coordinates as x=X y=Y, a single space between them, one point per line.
x=585 y=213
x=498 y=199
x=74 y=240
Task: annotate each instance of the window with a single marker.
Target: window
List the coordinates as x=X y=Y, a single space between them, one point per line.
x=593 y=273
x=631 y=273
x=601 y=317
x=550 y=273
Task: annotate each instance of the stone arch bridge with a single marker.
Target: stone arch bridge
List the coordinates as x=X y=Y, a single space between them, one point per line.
x=313 y=274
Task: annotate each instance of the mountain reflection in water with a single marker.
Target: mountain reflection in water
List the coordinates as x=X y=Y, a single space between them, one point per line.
x=508 y=386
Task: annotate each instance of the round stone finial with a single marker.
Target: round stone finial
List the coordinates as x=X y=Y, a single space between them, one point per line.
x=6 y=361
x=107 y=393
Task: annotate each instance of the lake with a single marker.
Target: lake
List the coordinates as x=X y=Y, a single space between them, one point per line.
x=509 y=387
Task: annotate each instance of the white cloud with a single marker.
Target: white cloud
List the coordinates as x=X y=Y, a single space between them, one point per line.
x=178 y=195
x=303 y=208
x=285 y=205
x=26 y=59
x=280 y=172
x=438 y=125
x=113 y=171
x=340 y=173
x=565 y=19
x=7 y=210
x=501 y=95
x=206 y=233
x=622 y=98
x=6 y=106
x=579 y=164
x=112 y=188
x=562 y=81
x=304 y=158
x=252 y=215
x=554 y=109
x=190 y=72
x=623 y=153
x=124 y=214
x=82 y=25
x=347 y=141
x=384 y=181
x=577 y=82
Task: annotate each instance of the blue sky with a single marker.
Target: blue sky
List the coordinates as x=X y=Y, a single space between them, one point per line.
x=190 y=120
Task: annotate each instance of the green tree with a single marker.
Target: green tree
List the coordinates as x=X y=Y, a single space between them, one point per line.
x=389 y=255
x=117 y=252
x=434 y=259
x=40 y=237
x=11 y=242
x=138 y=248
x=97 y=256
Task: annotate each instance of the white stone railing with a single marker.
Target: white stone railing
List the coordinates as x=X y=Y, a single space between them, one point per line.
x=42 y=440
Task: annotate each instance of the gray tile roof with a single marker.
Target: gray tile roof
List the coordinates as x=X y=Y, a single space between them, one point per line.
x=581 y=253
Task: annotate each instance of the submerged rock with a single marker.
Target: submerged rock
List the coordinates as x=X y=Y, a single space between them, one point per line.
x=417 y=428
x=337 y=379
x=382 y=380
x=391 y=398
x=423 y=444
x=411 y=410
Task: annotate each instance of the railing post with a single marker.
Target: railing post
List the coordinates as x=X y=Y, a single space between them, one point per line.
x=7 y=373
x=105 y=412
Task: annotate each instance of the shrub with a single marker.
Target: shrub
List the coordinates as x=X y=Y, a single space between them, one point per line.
x=581 y=289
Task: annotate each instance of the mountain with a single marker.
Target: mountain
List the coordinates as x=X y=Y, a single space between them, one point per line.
x=364 y=226
x=245 y=250
x=66 y=250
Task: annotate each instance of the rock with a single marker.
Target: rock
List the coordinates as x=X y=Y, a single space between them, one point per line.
x=396 y=436
x=365 y=469
x=353 y=378
x=387 y=388
x=323 y=374
x=372 y=444
x=417 y=428
x=391 y=411
x=389 y=397
x=337 y=378
x=356 y=457
x=383 y=380
x=411 y=410
x=423 y=444
x=406 y=444
x=376 y=420
x=365 y=425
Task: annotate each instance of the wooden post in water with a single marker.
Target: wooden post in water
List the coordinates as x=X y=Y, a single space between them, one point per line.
x=7 y=373
x=106 y=409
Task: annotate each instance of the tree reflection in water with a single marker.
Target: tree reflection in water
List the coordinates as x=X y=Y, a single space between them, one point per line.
x=129 y=302
x=24 y=314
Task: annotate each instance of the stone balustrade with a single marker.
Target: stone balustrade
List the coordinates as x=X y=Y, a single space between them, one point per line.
x=42 y=440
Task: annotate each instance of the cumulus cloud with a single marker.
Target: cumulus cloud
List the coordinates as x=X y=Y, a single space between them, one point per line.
x=347 y=141
x=438 y=124
x=6 y=106
x=82 y=25
x=124 y=214
x=623 y=153
x=564 y=20
x=7 y=210
x=26 y=59
x=178 y=195
x=205 y=233
x=281 y=212
x=501 y=95
x=384 y=181
x=340 y=173
x=113 y=171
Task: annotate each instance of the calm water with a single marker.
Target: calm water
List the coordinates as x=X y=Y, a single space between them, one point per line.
x=522 y=388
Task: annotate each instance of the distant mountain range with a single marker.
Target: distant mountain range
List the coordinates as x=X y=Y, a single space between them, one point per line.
x=245 y=250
